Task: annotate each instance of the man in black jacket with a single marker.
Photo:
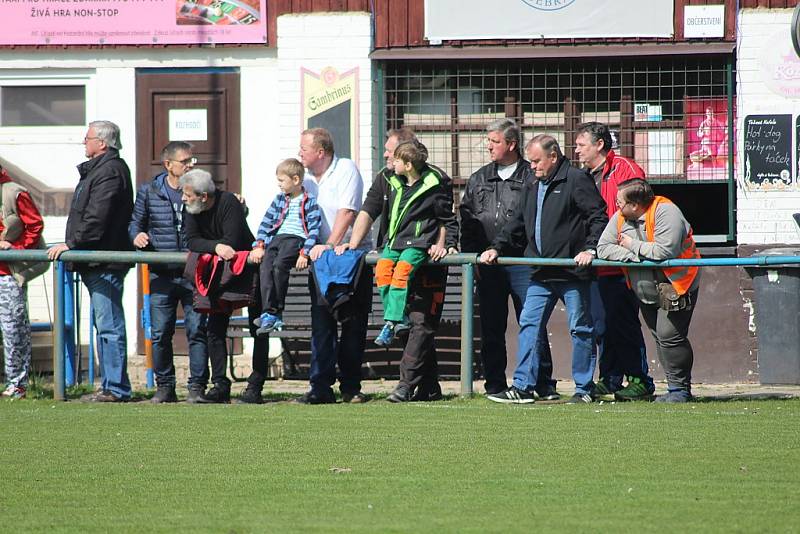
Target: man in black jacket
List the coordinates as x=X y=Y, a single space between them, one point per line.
x=560 y=215
x=215 y=224
x=157 y=224
x=98 y=217
x=489 y=200
x=419 y=373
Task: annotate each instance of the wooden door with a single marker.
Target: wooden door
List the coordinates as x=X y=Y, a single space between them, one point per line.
x=209 y=101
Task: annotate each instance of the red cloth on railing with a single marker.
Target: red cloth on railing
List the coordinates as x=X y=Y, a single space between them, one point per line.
x=221 y=286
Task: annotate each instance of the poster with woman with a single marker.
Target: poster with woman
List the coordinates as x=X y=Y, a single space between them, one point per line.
x=706 y=138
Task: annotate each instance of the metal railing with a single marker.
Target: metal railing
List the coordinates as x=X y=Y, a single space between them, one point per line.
x=466 y=261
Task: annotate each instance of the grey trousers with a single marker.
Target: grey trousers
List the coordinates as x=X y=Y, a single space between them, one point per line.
x=16 y=330
x=670 y=330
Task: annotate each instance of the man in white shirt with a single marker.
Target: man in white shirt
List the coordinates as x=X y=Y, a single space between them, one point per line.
x=339 y=188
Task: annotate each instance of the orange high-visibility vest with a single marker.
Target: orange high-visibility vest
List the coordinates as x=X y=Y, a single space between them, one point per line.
x=682 y=277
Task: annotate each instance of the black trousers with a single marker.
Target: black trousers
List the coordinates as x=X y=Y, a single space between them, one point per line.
x=279 y=259
x=217 y=329
x=419 y=368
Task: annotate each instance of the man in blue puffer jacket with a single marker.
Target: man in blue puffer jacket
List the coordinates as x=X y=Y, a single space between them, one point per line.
x=157 y=224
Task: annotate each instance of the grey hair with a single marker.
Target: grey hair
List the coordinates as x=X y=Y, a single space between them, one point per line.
x=108 y=132
x=199 y=180
x=548 y=143
x=510 y=131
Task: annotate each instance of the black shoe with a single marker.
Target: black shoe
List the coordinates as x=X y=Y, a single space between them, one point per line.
x=195 y=396
x=428 y=394
x=216 y=395
x=164 y=394
x=512 y=396
x=581 y=398
x=251 y=395
x=400 y=394
x=354 y=398
x=547 y=393
x=312 y=397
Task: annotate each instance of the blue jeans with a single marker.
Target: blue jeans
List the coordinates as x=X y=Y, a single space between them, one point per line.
x=621 y=347
x=105 y=290
x=495 y=284
x=329 y=348
x=166 y=293
x=539 y=303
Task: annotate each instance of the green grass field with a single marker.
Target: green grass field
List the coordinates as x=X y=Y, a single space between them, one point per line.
x=457 y=465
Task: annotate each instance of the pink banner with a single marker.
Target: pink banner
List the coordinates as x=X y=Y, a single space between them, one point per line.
x=126 y=22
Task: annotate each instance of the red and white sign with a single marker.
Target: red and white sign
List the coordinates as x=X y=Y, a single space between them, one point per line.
x=132 y=22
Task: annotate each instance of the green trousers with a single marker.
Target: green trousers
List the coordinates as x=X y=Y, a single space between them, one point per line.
x=393 y=274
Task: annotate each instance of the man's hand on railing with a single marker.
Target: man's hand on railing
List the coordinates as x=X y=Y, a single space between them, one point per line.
x=256 y=255
x=489 y=256
x=5 y=245
x=54 y=252
x=224 y=251
x=141 y=240
x=436 y=252
x=584 y=259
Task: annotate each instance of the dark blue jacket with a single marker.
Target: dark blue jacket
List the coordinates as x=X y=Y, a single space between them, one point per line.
x=153 y=214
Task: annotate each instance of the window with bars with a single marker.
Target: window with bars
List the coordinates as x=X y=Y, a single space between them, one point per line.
x=672 y=114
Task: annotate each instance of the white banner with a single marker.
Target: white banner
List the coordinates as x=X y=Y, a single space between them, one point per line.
x=537 y=19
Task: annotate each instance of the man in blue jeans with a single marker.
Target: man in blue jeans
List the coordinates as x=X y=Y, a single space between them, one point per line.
x=489 y=200
x=98 y=218
x=560 y=215
x=157 y=224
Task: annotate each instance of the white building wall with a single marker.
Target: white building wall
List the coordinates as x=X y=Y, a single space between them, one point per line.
x=768 y=82
x=270 y=113
x=51 y=154
x=315 y=41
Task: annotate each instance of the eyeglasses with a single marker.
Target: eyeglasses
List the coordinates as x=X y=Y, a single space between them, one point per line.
x=619 y=204
x=88 y=138
x=186 y=162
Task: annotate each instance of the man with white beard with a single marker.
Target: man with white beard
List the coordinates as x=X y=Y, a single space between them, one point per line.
x=215 y=224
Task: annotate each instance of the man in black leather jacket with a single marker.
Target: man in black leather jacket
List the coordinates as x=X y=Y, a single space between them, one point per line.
x=490 y=197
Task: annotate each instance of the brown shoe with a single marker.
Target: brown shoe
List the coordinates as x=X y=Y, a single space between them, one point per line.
x=107 y=396
x=354 y=398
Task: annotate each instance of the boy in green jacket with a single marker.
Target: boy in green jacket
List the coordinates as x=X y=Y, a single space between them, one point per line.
x=420 y=216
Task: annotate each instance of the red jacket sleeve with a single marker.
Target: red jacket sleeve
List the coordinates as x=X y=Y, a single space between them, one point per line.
x=32 y=219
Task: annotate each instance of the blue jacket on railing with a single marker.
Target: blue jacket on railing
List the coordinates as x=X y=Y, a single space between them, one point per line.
x=154 y=214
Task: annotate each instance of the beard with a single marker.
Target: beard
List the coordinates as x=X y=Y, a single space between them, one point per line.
x=195 y=207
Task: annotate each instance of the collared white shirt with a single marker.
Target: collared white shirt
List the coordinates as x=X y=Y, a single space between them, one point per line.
x=340 y=187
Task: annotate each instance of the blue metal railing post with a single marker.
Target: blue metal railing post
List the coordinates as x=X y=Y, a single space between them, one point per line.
x=467 y=283
x=59 y=386
x=69 y=328
x=90 y=357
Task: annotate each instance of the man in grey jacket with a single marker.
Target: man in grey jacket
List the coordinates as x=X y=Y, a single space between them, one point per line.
x=650 y=227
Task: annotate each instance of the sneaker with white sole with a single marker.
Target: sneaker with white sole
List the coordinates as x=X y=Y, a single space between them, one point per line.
x=581 y=398
x=386 y=336
x=512 y=395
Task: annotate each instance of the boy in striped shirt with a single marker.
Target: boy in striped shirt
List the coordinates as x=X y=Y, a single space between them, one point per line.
x=287 y=232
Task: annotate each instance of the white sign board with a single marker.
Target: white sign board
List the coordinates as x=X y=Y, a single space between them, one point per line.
x=188 y=125
x=703 y=21
x=538 y=19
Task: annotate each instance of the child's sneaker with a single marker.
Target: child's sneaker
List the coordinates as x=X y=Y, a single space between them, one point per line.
x=386 y=336
x=402 y=326
x=267 y=323
x=14 y=392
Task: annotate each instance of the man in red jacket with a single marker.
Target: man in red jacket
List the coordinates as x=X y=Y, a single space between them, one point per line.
x=614 y=306
x=24 y=232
